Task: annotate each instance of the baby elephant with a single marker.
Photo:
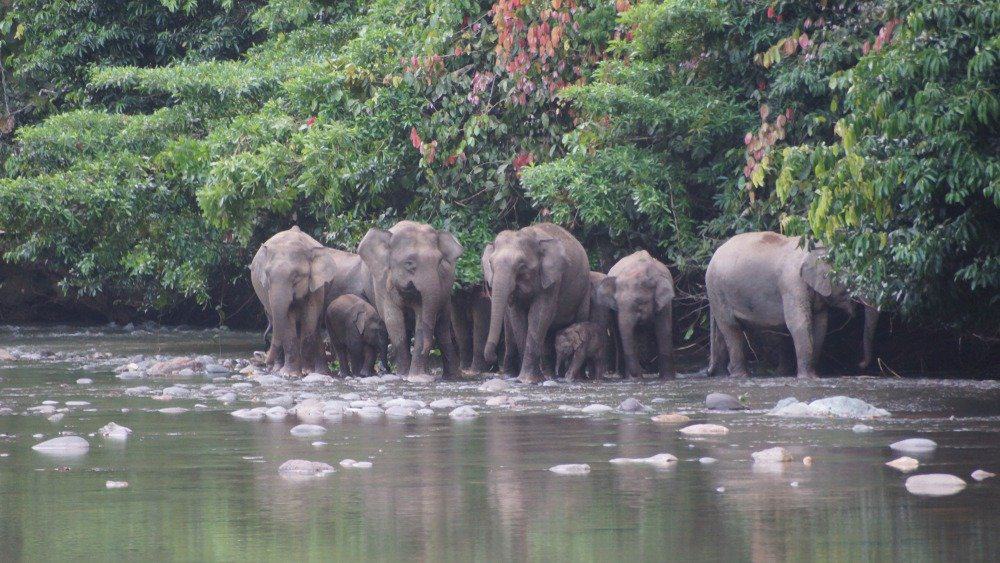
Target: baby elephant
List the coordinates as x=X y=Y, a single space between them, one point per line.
x=357 y=335
x=581 y=343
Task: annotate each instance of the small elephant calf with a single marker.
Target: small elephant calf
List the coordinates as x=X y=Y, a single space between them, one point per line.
x=580 y=344
x=357 y=335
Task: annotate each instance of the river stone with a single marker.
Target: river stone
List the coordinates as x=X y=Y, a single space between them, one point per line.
x=904 y=464
x=981 y=475
x=406 y=403
x=935 y=484
x=631 y=405
x=704 y=430
x=63 y=444
x=116 y=484
x=214 y=369
x=369 y=412
x=174 y=410
x=463 y=412
x=276 y=413
x=772 y=455
x=56 y=417
x=177 y=392
x=659 y=460
x=226 y=397
x=443 y=404
x=671 y=418
x=142 y=390
x=127 y=375
x=177 y=366
x=570 y=469
x=425 y=412
x=707 y=460
x=861 y=428
x=493 y=386
x=351 y=464
x=84 y=381
x=279 y=401
x=360 y=404
x=837 y=407
x=722 y=402
x=316 y=378
x=423 y=378
x=397 y=411
x=303 y=468
x=42 y=409
x=596 y=409
x=308 y=430
x=915 y=445
x=113 y=431
x=249 y=414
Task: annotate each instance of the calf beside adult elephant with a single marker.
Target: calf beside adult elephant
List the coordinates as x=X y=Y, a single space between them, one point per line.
x=539 y=279
x=768 y=280
x=412 y=269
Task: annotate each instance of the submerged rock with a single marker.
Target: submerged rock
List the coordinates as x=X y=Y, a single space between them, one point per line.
x=659 y=460
x=981 y=475
x=671 y=418
x=116 y=484
x=63 y=444
x=84 y=381
x=114 y=431
x=722 y=402
x=772 y=455
x=596 y=409
x=631 y=405
x=861 y=428
x=704 y=430
x=570 y=469
x=174 y=410
x=308 y=430
x=915 y=445
x=249 y=414
x=304 y=468
x=707 y=460
x=836 y=407
x=398 y=411
x=904 y=464
x=935 y=484
x=493 y=386
x=463 y=412
x=351 y=464
x=276 y=413
x=406 y=403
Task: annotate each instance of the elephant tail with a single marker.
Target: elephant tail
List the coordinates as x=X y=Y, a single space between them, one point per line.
x=718 y=353
x=267 y=335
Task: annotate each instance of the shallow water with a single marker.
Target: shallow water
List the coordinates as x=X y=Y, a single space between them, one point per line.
x=205 y=485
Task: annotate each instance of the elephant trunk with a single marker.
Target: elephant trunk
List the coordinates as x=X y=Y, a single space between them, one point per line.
x=283 y=327
x=500 y=300
x=430 y=308
x=868 y=336
x=626 y=330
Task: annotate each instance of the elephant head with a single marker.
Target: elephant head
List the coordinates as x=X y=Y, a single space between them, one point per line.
x=371 y=328
x=518 y=264
x=817 y=274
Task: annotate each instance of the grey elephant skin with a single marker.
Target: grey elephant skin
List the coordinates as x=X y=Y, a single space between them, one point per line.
x=640 y=290
x=471 y=321
x=766 y=280
x=412 y=269
x=580 y=346
x=357 y=335
x=539 y=278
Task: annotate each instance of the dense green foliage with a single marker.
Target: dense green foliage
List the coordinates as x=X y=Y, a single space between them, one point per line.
x=176 y=145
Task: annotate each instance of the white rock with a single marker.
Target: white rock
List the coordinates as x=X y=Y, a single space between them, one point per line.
x=914 y=445
x=370 y=412
x=113 y=431
x=463 y=412
x=631 y=405
x=861 y=428
x=425 y=412
x=276 y=413
x=42 y=409
x=50 y=402
x=550 y=383
x=303 y=468
x=981 y=475
x=56 y=417
x=84 y=381
x=308 y=430
x=63 y=444
x=243 y=385
x=399 y=412
x=772 y=455
x=248 y=414
x=596 y=408
x=226 y=397
x=839 y=406
x=707 y=460
x=316 y=378
x=360 y=404
x=659 y=460
x=350 y=463
x=443 y=404
x=419 y=378
x=76 y=403
x=904 y=464
x=142 y=390
x=570 y=469
x=493 y=386
x=704 y=430
x=318 y=444
x=569 y=408
x=350 y=396
x=935 y=484
x=174 y=410
x=116 y=484
x=406 y=403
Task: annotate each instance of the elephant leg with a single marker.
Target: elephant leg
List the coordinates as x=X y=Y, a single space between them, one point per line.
x=663 y=326
x=579 y=358
x=539 y=319
x=445 y=334
x=364 y=360
x=560 y=361
x=735 y=346
x=463 y=331
x=311 y=327
x=511 y=358
x=515 y=333
x=786 y=357
x=342 y=359
x=718 y=352
x=598 y=366
x=820 y=319
x=798 y=318
x=480 y=332
x=395 y=326
x=548 y=358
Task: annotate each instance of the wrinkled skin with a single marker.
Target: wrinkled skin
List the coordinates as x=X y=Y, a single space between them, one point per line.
x=290 y=273
x=539 y=279
x=766 y=280
x=357 y=335
x=601 y=315
x=471 y=321
x=412 y=269
x=640 y=289
x=581 y=345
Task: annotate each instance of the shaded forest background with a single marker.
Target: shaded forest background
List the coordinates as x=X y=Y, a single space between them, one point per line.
x=147 y=147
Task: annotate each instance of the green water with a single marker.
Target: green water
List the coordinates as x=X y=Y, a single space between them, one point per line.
x=205 y=485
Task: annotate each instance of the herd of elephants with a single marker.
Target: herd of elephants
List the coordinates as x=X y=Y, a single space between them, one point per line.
x=539 y=295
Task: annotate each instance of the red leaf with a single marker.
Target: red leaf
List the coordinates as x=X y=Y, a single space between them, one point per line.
x=415 y=137
x=310 y=121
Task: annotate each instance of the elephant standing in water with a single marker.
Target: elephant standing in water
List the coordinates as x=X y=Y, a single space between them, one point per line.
x=540 y=280
x=290 y=274
x=412 y=269
x=767 y=280
x=357 y=335
x=640 y=289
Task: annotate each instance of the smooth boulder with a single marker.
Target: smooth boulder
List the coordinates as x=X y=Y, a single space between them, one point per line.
x=914 y=445
x=935 y=484
x=704 y=430
x=63 y=444
x=570 y=469
x=305 y=468
x=723 y=402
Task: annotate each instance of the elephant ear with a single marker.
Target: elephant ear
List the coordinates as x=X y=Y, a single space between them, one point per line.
x=323 y=269
x=359 y=320
x=259 y=264
x=449 y=246
x=487 y=264
x=663 y=294
x=553 y=261
x=374 y=250
x=816 y=273
x=604 y=293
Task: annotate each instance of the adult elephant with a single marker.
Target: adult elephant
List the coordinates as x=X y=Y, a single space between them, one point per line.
x=412 y=269
x=640 y=289
x=291 y=273
x=539 y=277
x=768 y=280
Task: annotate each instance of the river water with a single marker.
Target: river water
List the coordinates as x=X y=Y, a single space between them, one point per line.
x=204 y=485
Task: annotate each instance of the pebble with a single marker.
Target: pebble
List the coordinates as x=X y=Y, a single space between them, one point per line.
x=308 y=430
x=722 y=402
x=318 y=444
x=56 y=417
x=861 y=428
x=772 y=455
x=174 y=410
x=249 y=414
x=370 y=412
x=116 y=484
x=226 y=398
x=570 y=469
x=420 y=378
x=658 y=460
x=398 y=411
x=493 y=386
x=671 y=418
x=550 y=383
x=720 y=489
x=63 y=444
x=704 y=430
x=596 y=409
x=425 y=412
x=935 y=484
x=807 y=461
x=915 y=445
x=981 y=475
x=463 y=412
x=904 y=464
x=84 y=381
x=350 y=463
x=304 y=468
x=114 y=431
x=316 y=378
x=407 y=403
x=707 y=460
x=276 y=413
